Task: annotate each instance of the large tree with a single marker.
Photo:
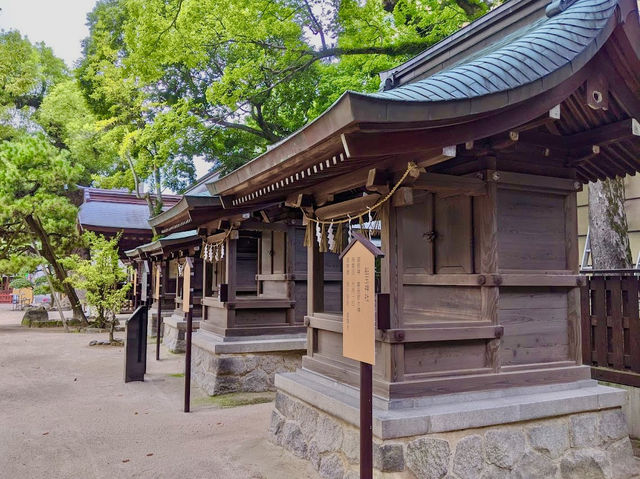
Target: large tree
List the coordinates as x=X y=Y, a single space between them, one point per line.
x=35 y=180
x=223 y=79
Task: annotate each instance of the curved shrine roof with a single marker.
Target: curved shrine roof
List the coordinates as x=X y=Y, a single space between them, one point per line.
x=524 y=57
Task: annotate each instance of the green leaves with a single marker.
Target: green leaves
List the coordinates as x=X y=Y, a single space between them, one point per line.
x=102 y=276
x=222 y=79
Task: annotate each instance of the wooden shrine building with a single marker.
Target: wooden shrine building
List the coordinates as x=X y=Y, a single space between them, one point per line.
x=111 y=212
x=253 y=283
x=166 y=258
x=470 y=157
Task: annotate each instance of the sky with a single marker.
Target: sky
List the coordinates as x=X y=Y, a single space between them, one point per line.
x=61 y=24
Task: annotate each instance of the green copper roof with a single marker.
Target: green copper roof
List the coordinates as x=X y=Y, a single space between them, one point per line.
x=526 y=56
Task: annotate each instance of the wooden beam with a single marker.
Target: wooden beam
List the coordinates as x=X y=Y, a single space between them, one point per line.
x=378 y=180
x=439 y=183
x=299 y=200
x=402 y=197
x=356 y=205
x=606 y=134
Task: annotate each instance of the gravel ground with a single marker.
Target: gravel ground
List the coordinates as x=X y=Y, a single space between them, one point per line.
x=65 y=412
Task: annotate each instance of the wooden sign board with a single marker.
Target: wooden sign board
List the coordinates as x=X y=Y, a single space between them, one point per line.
x=358 y=300
x=186 y=286
x=145 y=281
x=156 y=289
x=135 y=281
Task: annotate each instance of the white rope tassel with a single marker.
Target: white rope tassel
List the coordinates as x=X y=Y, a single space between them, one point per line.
x=318 y=234
x=221 y=251
x=331 y=239
x=370 y=224
x=350 y=232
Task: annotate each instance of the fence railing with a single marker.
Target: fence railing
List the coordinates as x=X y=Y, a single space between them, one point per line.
x=611 y=326
x=6 y=296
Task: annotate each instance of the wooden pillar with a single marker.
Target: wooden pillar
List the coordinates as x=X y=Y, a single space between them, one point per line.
x=289 y=270
x=572 y=259
x=390 y=283
x=486 y=262
x=315 y=278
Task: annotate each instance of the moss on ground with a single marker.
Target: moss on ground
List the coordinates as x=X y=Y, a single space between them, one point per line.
x=225 y=401
x=177 y=375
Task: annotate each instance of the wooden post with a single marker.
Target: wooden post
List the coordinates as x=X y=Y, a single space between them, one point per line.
x=366 y=421
x=187 y=307
x=358 y=332
x=187 y=363
x=159 y=299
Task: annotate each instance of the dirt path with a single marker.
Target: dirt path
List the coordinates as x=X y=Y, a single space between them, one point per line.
x=65 y=412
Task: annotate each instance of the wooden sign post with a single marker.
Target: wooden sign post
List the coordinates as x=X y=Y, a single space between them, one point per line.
x=145 y=282
x=156 y=296
x=359 y=330
x=187 y=308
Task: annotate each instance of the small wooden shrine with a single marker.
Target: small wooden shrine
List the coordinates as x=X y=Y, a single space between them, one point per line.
x=167 y=257
x=469 y=160
x=253 y=286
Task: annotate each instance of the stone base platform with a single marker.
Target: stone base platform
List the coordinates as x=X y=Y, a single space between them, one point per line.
x=152 y=322
x=174 y=330
x=222 y=365
x=572 y=431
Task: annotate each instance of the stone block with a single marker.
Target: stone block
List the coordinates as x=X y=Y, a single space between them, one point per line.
x=331 y=467
x=306 y=417
x=256 y=381
x=468 y=460
x=585 y=464
x=504 y=447
x=584 y=430
x=428 y=458
x=313 y=455
x=275 y=427
x=351 y=445
x=623 y=464
x=293 y=440
x=550 y=438
x=328 y=434
x=534 y=465
x=388 y=457
x=613 y=425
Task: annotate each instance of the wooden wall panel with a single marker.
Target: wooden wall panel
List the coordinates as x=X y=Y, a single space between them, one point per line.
x=535 y=325
x=453 y=242
x=531 y=230
x=416 y=222
x=444 y=356
x=260 y=317
x=441 y=303
x=279 y=252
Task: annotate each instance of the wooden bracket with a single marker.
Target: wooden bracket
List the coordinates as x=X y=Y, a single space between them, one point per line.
x=378 y=180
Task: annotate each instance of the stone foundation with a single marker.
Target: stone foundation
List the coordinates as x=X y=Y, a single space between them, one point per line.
x=593 y=444
x=152 y=322
x=174 y=333
x=221 y=366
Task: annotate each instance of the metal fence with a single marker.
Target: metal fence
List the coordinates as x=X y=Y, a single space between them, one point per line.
x=611 y=326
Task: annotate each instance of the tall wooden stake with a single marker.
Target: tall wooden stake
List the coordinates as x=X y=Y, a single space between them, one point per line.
x=366 y=421
x=158 y=327
x=187 y=361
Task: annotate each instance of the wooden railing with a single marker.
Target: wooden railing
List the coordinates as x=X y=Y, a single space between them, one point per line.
x=611 y=326
x=6 y=296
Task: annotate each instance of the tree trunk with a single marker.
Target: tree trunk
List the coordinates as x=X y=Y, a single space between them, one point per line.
x=55 y=298
x=48 y=254
x=608 y=228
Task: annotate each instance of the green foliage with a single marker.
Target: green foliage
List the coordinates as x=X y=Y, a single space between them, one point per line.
x=223 y=79
x=35 y=179
x=102 y=277
x=20 y=283
x=27 y=73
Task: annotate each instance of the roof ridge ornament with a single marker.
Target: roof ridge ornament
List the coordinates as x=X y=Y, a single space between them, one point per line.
x=558 y=6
